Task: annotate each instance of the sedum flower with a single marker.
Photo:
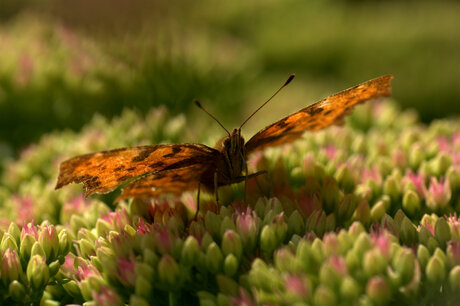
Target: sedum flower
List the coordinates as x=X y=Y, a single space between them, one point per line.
x=38 y=272
x=438 y=194
x=10 y=268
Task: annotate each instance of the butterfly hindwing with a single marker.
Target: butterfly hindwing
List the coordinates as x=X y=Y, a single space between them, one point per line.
x=164 y=182
x=102 y=172
x=319 y=115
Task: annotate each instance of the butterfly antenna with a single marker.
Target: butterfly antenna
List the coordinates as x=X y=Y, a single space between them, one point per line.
x=284 y=85
x=204 y=109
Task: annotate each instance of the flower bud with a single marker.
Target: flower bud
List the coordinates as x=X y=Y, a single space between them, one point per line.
x=411 y=203
x=324 y=296
x=37 y=250
x=17 y=291
x=373 y=262
x=362 y=212
x=214 y=258
x=65 y=242
x=378 y=290
x=296 y=224
x=15 y=232
x=10 y=268
x=168 y=270
x=71 y=287
x=346 y=208
x=86 y=248
x=231 y=244
x=190 y=251
x=404 y=266
x=442 y=231
x=438 y=195
x=305 y=257
x=230 y=265
x=454 y=278
x=392 y=188
x=345 y=178
x=103 y=227
x=227 y=285
x=377 y=211
x=25 y=249
x=349 y=289
x=143 y=287
x=268 y=241
x=212 y=223
x=37 y=272
x=49 y=240
x=330 y=195
x=435 y=270
x=77 y=222
x=8 y=242
x=441 y=163
x=408 y=233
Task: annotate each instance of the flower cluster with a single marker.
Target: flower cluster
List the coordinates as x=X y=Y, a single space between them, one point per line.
x=341 y=217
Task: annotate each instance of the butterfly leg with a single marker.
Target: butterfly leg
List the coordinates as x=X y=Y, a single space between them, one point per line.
x=215 y=188
x=197 y=201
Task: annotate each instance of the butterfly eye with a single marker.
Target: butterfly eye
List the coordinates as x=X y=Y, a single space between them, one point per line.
x=227 y=142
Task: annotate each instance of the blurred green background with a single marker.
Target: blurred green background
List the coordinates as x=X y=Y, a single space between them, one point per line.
x=61 y=62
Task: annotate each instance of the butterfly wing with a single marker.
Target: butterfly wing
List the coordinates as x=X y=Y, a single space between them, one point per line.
x=174 y=181
x=319 y=115
x=102 y=172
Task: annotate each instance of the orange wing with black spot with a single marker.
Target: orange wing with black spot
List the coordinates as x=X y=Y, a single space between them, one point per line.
x=320 y=115
x=102 y=172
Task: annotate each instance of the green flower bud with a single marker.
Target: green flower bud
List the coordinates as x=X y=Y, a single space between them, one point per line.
x=71 y=287
x=168 y=271
x=15 y=232
x=49 y=240
x=408 y=234
x=349 y=289
x=435 y=270
x=329 y=225
x=391 y=187
x=356 y=229
x=442 y=231
x=440 y=255
x=231 y=265
x=378 y=290
x=143 y=287
x=345 y=178
x=454 y=278
x=296 y=224
x=284 y=260
x=25 y=250
x=362 y=212
x=453 y=176
x=378 y=211
x=416 y=156
x=423 y=256
x=404 y=266
x=8 y=242
x=316 y=222
x=324 y=296
x=374 y=263
x=54 y=267
x=227 y=285
x=10 y=267
x=86 y=248
x=17 y=291
x=268 y=241
x=37 y=250
x=305 y=257
x=206 y=241
x=441 y=163
x=190 y=251
x=103 y=227
x=65 y=243
x=138 y=301
x=346 y=208
x=212 y=223
x=330 y=275
x=214 y=258
x=231 y=244
x=77 y=222
x=38 y=272
x=352 y=261
x=330 y=194
x=362 y=244
x=227 y=224
x=411 y=203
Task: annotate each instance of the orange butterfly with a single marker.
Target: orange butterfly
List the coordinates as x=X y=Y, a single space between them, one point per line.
x=175 y=168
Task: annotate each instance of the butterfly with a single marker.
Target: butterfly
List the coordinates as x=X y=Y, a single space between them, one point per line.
x=152 y=170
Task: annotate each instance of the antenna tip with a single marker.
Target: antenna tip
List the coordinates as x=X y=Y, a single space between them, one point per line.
x=291 y=77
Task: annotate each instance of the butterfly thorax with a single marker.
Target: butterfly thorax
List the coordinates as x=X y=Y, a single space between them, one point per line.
x=234 y=153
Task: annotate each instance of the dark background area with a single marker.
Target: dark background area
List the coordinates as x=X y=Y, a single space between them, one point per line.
x=64 y=61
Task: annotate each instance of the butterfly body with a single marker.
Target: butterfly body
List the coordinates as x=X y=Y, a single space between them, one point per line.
x=149 y=171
